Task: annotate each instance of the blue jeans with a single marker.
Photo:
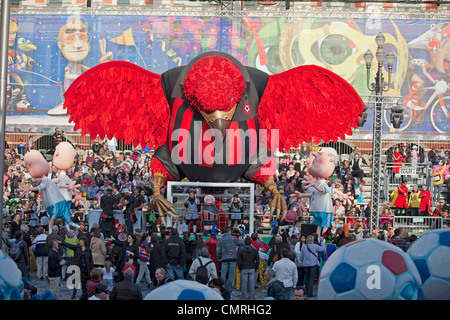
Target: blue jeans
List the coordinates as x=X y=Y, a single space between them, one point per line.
x=228 y=270
x=248 y=284
x=175 y=272
x=288 y=293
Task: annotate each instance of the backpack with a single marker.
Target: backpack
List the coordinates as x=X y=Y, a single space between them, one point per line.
x=15 y=252
x=201 y=274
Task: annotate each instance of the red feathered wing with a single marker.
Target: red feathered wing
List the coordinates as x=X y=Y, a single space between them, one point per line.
x=119 y=99
x=308 y=102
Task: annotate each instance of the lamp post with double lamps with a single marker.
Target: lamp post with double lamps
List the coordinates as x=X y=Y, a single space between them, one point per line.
x=378 y=87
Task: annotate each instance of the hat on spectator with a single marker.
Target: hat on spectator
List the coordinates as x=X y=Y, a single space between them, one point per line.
x=101 y=288
x=126 y=190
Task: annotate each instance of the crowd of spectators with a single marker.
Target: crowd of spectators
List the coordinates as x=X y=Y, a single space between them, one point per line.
x=110 y=257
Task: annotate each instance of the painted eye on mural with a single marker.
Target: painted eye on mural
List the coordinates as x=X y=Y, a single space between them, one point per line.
x=333 y=49
x=22 y=41
x=28 y=42
x=273 y=56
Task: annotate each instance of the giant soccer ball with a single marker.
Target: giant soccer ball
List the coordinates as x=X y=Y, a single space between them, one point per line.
x=369 y=269
x=11 y=284
x=183 y=290
x=431 y=255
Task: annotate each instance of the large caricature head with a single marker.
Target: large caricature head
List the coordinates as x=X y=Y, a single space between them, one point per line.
x=36 y=164
x=13 y=28
x=73 y=41
x=323 y=163
x=64 y=156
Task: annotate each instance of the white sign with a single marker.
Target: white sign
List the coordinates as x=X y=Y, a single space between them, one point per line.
x=407 y=171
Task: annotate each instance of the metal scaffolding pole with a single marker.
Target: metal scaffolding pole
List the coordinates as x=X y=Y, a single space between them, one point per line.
x=4 y=34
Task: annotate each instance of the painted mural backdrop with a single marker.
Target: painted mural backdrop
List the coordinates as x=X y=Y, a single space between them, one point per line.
x=48 y=52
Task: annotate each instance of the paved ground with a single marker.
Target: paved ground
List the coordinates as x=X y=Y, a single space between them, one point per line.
x=66 y=294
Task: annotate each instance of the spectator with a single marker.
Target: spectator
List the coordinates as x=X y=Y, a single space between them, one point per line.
x=98 y=249
x=275 y=288
x=126 y=290
x=162 y=277
x=209 y=267
x=235 y=208
x=108 y=275
x=425 y=201
x=275 y=252
x=286 y=272
x=22 y=258
x=248 y=263
x=357 y=169
x=211 y=244
x=298 y=262
x=309 y=255
x=414 y=201
x=438 y=181
x=299 y=293
x=39 y=244
x=55 y=263
x=57 y=137
x=398 y=159
x=129 y=264
x=218 y=283
x=226 y=254
x=156 y=260
x=143 y=265
x=95 y=279
x=83 y=259
x=174 y=255
x=101 y=292
x=401 y=202
x=125 y=249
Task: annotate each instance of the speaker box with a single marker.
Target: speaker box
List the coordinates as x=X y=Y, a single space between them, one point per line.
x=307 y=228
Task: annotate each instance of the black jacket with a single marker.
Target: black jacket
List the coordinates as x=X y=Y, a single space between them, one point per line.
x=174 y=251
x=247 y=258
x=77 y=255
x=275 y=289
x=54 y=266
x=156 y=260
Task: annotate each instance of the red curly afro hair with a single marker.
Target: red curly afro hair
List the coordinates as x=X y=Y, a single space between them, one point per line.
x=213 y=83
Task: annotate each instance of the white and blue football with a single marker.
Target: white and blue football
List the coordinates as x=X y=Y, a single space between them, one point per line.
x=183 y=290
x=11 y=285
x=431 y=255
x=369 y=269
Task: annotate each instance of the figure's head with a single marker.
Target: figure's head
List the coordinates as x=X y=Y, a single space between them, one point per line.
x=323 y=163
x=64 y=156
x=36 y=164
x=13 y=28
x=73 y=41
x=212 y=74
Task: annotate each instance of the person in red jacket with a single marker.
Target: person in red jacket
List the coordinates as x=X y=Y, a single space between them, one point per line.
x=425 y=201
x=401 y=203
x=211 y=244
x=398 y=159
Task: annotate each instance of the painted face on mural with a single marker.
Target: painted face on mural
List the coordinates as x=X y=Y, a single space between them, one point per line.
x=74 y=41
x=443 y=57
x=12 y=38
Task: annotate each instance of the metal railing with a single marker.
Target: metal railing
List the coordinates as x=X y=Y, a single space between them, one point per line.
x=419 y=174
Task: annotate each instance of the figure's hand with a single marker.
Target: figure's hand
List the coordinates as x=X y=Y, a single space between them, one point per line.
x=24 y=192
x=104 y=56
x=308 y=181
x=10 y=60
x=278 y=205
x=165 y=206
x=441 y=86
x=78 y=200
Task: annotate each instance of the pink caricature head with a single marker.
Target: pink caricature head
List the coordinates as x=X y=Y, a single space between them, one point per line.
x=323 y=163
x=64 y=156
x=36 y=164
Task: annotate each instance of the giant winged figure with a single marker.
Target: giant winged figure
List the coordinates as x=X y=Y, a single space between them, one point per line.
x=213 y=120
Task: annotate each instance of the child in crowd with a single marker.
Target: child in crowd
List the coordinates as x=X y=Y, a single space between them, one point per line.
x=129 y=264
x=108 y=275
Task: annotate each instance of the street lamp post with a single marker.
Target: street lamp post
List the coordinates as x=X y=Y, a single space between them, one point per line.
x=378 y=87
